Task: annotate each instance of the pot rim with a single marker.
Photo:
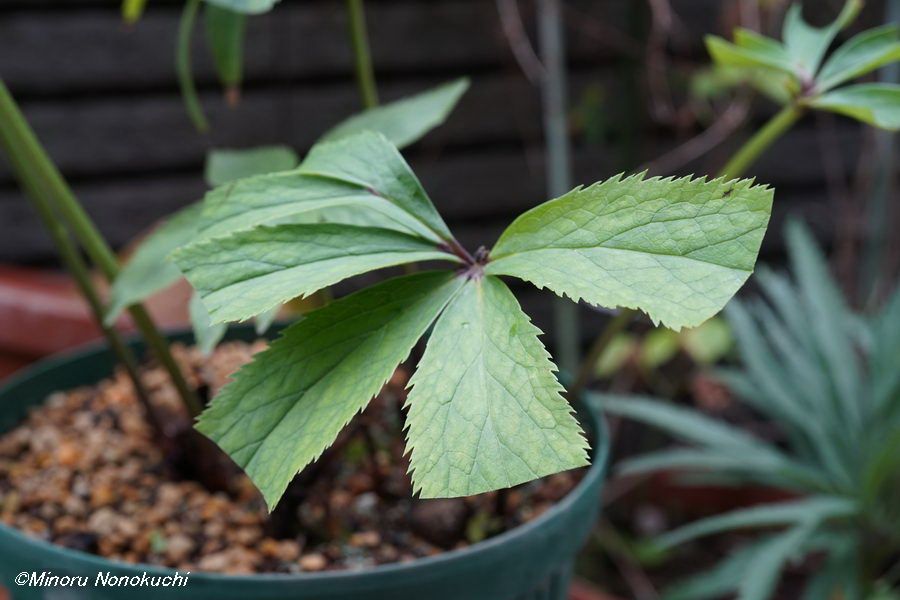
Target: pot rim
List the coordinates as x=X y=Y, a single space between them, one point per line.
x=596 y=470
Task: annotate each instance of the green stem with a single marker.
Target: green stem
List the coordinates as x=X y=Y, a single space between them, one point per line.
x=589 y=364
x=365 y=72
x=76 y=266
x=24 y=144
x=756 y=145
x=365 y=75
x=183 y=66
x=559 y=170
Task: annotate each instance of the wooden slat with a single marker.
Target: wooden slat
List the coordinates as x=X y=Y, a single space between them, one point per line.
x=107 y=137
x=54 y=51
x=102 y=137
x=104 y=102
x=474 y=192
x=90 y=49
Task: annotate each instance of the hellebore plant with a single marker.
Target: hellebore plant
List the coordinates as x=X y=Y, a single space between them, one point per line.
x=796 y=74
x=828 y=378
x=403 y=122
x=485 y=410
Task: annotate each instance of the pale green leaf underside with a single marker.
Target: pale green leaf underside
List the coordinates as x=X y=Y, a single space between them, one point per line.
x=863 y=54
x=754 y=52
x=149 y=270
x=806 y=45
x=252 y=271
x=279 y=197
x=359 y=214
x=284 y=408
x=249 y=7
x=206 y=335
x=406 y=120
x=485 y=409
x=369 y=161
x=264 y=320
x=225 y=165
x=877 y=104
x=678 y=249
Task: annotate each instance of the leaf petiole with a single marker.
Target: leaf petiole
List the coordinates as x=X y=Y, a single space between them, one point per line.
x=456 y=249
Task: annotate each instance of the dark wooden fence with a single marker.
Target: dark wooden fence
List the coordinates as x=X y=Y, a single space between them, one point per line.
x=103 y=99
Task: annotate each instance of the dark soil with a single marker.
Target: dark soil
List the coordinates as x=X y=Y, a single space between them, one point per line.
x=85 y=471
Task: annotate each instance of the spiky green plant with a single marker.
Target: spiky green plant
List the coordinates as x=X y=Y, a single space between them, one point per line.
x=828 y=377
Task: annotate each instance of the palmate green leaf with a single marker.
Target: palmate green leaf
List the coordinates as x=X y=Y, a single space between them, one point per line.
x=206 y=335
x=248 y=7
x=252 y=271
x=405 y=121
x=863 y=54
x=369 y=160
x=814 y=509
x=293 y=197
x=806 y=45
x=225 y=38
x=750 y=50
x=288 y=195
x=485 y=409
x=678 y=249
x=715 y=81
x=284 y=408
x=149 y=270
x=227 y=165
x=877 y=104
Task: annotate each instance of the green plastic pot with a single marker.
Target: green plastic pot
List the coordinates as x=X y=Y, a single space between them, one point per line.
x=531 y=562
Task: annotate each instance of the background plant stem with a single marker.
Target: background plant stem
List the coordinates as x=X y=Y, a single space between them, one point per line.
x=23 y=143
x=559 y=170
x=76 y=266
x=365 y=75
x=183 y=66
x=760 y=142
x=73 y=261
